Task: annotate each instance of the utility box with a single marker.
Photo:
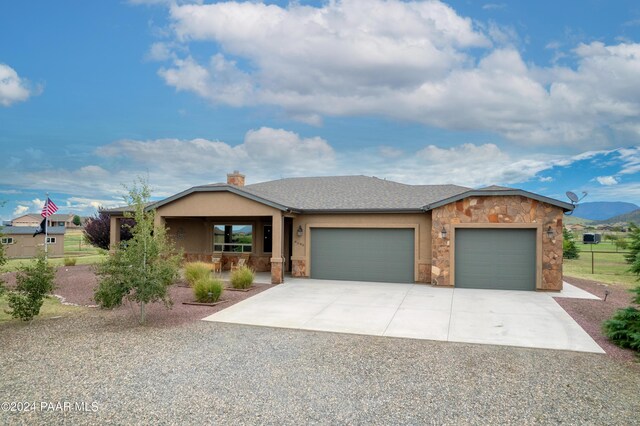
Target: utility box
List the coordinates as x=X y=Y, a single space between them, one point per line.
x=591 y=238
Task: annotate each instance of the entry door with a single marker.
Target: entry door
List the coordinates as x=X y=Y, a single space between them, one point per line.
x=491 y=258
x=363 y=254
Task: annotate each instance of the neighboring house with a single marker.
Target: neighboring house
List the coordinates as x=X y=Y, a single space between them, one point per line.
x=369 y=229
x=27 y=220
x=65 y=220
x=19 y=241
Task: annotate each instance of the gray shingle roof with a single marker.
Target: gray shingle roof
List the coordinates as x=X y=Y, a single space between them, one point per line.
x=29 y=230
x=350 y=193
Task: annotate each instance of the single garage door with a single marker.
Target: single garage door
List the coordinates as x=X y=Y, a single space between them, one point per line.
x=503 y=259
x=362 y=254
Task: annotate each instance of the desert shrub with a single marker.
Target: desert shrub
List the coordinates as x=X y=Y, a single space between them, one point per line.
x=207 y=290
x=624 y=328
x=242 y=277
x=70 y=261
x=196 y=271
x=34 y=282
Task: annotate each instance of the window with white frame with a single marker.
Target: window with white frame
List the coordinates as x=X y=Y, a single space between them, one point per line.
x=233 y=238
x=6 y=240
x=51 y=240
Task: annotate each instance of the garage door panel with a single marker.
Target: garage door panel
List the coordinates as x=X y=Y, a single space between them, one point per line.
x=362 y=254
x=495 y=258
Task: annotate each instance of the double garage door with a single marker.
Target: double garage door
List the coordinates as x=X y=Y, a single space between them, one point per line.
x=503 y=259
x=484 y=258
x=363 y=254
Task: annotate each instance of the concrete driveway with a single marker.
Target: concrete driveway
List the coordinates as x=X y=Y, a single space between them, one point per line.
x=498 y=317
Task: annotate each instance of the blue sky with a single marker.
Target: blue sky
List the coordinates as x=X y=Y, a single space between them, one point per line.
x=537 y=95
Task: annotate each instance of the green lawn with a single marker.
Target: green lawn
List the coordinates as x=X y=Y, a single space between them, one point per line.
x=75 y=245
x=51 y=308
x=609 y=268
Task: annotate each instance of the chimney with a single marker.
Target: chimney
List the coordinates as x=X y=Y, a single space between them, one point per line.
x=235 y=178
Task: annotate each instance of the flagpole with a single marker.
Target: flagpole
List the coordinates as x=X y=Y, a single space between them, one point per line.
x=46 y=219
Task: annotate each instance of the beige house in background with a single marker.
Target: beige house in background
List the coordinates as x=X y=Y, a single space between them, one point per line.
x=368 y=229
x=63 y=219
x=19 y=241
x=27 y=220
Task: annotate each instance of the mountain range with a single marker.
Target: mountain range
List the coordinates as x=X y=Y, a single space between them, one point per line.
x=604 y=211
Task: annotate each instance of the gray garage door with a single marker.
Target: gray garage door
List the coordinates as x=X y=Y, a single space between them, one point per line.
x=502 y=259
x=385 y=255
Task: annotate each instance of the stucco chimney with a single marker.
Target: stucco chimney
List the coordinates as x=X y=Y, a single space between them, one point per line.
x=235 y=178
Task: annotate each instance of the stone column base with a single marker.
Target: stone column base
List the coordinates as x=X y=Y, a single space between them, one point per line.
x=276 y=270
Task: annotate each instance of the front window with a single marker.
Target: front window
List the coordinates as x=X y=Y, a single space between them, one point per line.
x=7 y=240
x=51 y=240
x=233 y=238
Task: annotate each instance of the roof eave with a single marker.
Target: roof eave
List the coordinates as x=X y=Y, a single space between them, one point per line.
x=364 y=210
x=500 y=193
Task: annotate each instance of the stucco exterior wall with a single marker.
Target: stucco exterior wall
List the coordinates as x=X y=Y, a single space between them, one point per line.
x=207 y=204
x=494 y=211
x=26 y=246
x=421 y=222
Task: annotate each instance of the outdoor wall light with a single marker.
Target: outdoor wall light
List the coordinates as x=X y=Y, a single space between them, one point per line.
x=550 y=232
x=300 y=231
x=443 y=233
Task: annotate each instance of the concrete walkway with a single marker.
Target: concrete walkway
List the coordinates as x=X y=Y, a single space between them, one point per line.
x=498 y=317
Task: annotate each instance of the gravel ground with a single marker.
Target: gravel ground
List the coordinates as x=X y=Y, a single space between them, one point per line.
x=590 y=314
x=206 y=372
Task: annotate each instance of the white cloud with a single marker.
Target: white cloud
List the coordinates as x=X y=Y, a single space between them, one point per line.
x=607 y=180
x=12 y=88
x=494 y=6
x=20 y=210
x=545 y=179
x=404 y=60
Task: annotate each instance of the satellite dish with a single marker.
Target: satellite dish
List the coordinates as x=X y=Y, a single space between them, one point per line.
x=573 y=197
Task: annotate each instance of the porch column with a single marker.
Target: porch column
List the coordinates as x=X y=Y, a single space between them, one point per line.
x=114 y=232
x=276 y=248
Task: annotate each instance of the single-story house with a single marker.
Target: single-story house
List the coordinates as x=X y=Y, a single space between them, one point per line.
x=368 y=229
x=30 y=219
x=58 y=219
x=19 y=241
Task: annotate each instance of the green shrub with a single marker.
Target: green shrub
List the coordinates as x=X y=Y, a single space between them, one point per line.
x=242 y=277
x=34 y=282
x=624 y=328
x=569 y=248
x=70 y=261
x=207 y=290
x=196 y=271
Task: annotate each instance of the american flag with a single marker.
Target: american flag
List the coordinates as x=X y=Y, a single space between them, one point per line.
x=49 y=208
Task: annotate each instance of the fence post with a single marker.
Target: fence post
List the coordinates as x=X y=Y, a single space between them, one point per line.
x=592 y=263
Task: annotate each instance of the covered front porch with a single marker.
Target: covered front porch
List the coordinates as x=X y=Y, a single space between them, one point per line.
x=264 y=241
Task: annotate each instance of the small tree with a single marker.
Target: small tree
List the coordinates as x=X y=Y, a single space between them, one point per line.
x=97 y=230
x=142 y=268
x=34 y=282
x=569 y=248
x=77 y=221
x=634 y=243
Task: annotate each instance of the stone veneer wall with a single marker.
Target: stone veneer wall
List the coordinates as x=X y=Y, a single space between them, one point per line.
x=499 y=209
